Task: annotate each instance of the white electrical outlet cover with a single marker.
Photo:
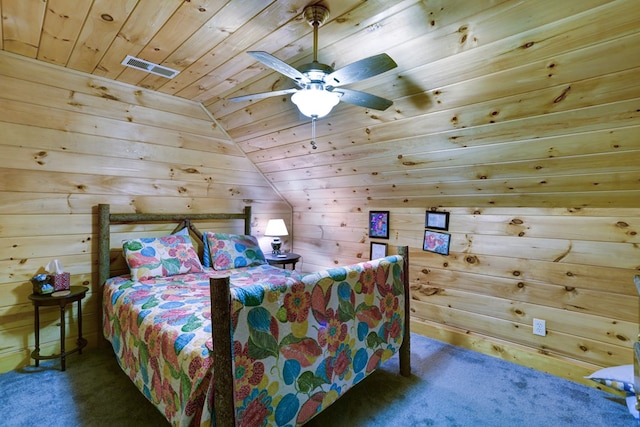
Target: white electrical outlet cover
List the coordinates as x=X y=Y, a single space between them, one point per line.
x=539 y=327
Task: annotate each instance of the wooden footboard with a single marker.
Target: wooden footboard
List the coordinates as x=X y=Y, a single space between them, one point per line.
x=223 y=377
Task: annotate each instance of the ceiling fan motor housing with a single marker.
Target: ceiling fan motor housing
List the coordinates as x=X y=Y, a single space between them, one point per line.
x=316 y=14
x=315 y=71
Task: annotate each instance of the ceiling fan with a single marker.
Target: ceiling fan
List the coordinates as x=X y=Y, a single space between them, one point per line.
x=319 y=85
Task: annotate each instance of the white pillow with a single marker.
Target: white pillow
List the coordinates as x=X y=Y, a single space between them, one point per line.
x=617 y=377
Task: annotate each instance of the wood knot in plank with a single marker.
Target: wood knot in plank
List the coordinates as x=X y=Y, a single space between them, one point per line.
x=109 y=96
x=471 y=259
x=562 y=256
x=562 y=96
x=429 y=290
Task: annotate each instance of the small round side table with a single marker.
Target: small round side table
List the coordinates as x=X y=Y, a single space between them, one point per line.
x=76 y=293
x=283 y=260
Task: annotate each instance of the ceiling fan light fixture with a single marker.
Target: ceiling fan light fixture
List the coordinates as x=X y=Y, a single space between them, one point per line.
x=315 y=101
x=316 y=94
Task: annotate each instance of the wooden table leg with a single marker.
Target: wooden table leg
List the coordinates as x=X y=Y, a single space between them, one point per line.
x=62 y=337
x=37 y=332
x=80 y=326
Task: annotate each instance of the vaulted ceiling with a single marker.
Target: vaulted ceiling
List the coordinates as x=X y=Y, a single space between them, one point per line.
x=496 y=102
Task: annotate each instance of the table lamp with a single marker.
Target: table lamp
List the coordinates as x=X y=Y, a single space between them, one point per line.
x=276 y=228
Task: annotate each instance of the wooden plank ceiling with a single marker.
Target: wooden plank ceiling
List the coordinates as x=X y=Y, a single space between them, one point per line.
x=496 y=102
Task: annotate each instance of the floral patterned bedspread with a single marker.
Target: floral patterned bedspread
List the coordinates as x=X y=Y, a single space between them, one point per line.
x=299 y=342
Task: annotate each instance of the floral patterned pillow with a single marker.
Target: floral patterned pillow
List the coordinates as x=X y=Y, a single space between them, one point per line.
x=161 y=256
x=234 y=251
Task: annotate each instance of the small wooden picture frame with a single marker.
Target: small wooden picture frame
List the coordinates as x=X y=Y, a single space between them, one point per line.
x=378 y=250
x=437 y=220
x=379 y=224
x=436 y=242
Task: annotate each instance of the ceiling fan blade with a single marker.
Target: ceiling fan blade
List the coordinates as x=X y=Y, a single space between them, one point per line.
x=360 y=70
x=280 y=66
x=262 y=95
x=363 y=99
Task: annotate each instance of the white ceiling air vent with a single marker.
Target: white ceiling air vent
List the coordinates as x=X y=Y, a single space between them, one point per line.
x=150 y=67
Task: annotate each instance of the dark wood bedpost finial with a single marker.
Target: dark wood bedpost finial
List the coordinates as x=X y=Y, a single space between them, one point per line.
x=405 y=348
x=222 y=352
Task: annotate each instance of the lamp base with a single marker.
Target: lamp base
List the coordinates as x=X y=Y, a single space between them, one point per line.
x=276 y=244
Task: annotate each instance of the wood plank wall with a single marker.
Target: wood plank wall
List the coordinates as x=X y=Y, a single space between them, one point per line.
x=572 y=267
x=70 y=141
x=528 y=134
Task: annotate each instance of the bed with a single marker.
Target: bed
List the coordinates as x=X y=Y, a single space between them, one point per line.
x=241 y=342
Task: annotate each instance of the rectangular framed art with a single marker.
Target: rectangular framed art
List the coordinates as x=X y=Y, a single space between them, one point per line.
x=437 y=220
x=436 y=242
x=379 y=224
x=378 y=250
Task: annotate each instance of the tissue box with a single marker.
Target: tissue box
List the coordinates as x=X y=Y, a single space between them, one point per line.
x=60 y=282
x=41 y=284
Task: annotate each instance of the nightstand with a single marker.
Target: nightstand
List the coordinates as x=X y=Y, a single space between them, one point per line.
x=283 y=260
x=76 y=293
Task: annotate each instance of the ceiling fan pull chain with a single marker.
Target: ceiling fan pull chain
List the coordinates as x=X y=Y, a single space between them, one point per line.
x=313 y=132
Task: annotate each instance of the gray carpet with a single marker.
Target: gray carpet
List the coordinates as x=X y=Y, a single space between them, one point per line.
x=451 y=386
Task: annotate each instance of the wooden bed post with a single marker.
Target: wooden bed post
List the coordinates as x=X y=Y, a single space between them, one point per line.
x=104 y=260
x=405 y=348
x=222 y=352
x=247 y=221
x=103 y=243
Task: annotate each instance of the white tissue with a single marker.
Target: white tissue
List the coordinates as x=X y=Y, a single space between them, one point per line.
x=54 y=267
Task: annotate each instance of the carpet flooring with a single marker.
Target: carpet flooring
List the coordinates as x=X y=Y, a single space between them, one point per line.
x=450 y=386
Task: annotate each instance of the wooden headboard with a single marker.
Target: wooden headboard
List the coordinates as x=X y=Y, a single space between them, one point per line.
x=106 y=219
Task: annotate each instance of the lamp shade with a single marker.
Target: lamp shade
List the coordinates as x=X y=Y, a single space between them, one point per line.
x=276 y=227
x=315 y=101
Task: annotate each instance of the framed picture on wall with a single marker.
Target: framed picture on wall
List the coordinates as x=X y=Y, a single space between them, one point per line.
x=436 y=242
x=379 y=224
x=378 y=250
x=437 y=220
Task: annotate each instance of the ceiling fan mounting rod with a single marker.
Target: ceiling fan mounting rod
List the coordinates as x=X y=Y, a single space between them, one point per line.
x=316 y=15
